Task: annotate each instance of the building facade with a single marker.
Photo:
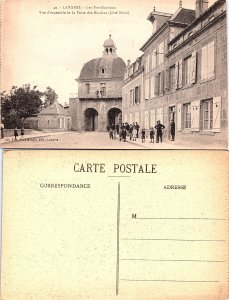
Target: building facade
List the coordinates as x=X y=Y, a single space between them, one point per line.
x=185 y=74
x=99 y=101
x=54 y=117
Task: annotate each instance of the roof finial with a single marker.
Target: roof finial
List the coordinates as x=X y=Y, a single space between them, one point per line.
x=154 y=9
x=180 y=3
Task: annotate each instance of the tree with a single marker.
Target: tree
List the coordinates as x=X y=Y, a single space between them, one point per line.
x=49 y=97
x=23 y=102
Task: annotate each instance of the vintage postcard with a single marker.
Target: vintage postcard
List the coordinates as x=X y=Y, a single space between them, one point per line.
x=91 y=226
x=118 y=74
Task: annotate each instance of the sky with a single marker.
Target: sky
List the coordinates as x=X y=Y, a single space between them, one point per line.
x=43 y=48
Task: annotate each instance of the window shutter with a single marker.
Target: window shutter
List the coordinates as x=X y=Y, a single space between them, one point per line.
x=156 y=88
x=216 y=114
x=139 y=94
x=193 y=67
x=146 y=120
x=195 y=116
x=136 y=117
x=152 y=118
x=179 y=113
x=147 y=88
x=162 y=82
x=167 y=79
x=152 y=84
x=176 y=75
x=160 y=115
x=180 y=73
x=204 y=63
x=211 y=59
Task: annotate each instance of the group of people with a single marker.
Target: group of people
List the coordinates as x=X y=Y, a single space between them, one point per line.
x=132 y=131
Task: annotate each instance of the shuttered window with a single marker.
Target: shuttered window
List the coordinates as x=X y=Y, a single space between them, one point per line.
x=161 y=51
x=152 y=87
x=172 y=78
x=207 y=110
x=179 y=113
x=216 y=114
x=208 y=61
x=146 y=120
x=147 y=88
x=195 y=115
x=152 y=118
x=137 y=94
x=136 y=117
x=154 y=59
x=187 y=70
x=187 y=115
x=131 y=97
x=160 y=116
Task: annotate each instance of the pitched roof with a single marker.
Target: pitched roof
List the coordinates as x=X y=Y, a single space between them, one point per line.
x=54 y=109
x=184 y=16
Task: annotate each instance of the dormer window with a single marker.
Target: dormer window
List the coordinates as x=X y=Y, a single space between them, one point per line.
x=103 y=70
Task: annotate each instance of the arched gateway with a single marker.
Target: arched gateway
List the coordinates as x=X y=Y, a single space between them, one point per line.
x=114 y=116
x=91 y=119
x=99 y=101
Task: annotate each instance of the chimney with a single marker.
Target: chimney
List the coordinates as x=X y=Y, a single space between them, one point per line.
x=201 y=6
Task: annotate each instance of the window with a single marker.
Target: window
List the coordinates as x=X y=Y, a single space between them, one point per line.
x=131 y=97
x=161 y=53
x=187 y=70
x=147 y=64
x=154 y=59
x=187 y=115
x=103 y=89
x=137 y=94
x=172 y=78
x=87 y=88
x=152 y=85
x=208 y=61
x=207 y=110
x=147 y=88
x=161 y=82
x=103 y=70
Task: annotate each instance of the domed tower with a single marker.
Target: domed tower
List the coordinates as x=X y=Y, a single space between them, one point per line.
x=100 y=90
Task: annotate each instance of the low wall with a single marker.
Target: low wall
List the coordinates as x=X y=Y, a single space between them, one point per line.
x=10 y=132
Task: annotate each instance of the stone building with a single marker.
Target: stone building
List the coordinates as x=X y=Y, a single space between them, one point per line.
x=99 y=101
x=185 y=74
x=132 y=92
x=54 y=117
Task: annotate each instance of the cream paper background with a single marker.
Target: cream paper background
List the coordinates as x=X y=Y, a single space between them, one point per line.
x=62 y=243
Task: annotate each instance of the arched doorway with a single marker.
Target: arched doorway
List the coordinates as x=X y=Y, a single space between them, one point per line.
x=114 y=116
x=91 y=119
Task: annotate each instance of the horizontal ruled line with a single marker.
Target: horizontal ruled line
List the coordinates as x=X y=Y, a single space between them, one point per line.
x=206 y=219
x=119 y=176
x=174 y=260
x=170 y=280
x=176 y=240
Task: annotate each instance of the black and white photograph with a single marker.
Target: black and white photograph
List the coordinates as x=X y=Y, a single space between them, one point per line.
x=114 y=74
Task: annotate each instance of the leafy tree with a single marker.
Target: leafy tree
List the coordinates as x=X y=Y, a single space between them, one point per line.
x=49 y=97
x=23 y=102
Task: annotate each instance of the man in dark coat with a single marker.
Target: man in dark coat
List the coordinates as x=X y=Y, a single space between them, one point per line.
x=159 y=128
x=172 y=130
x=137 y=127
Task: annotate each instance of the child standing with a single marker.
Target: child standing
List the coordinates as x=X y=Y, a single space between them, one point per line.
x=134 y=133
x=143 y=135
x=152 y=133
